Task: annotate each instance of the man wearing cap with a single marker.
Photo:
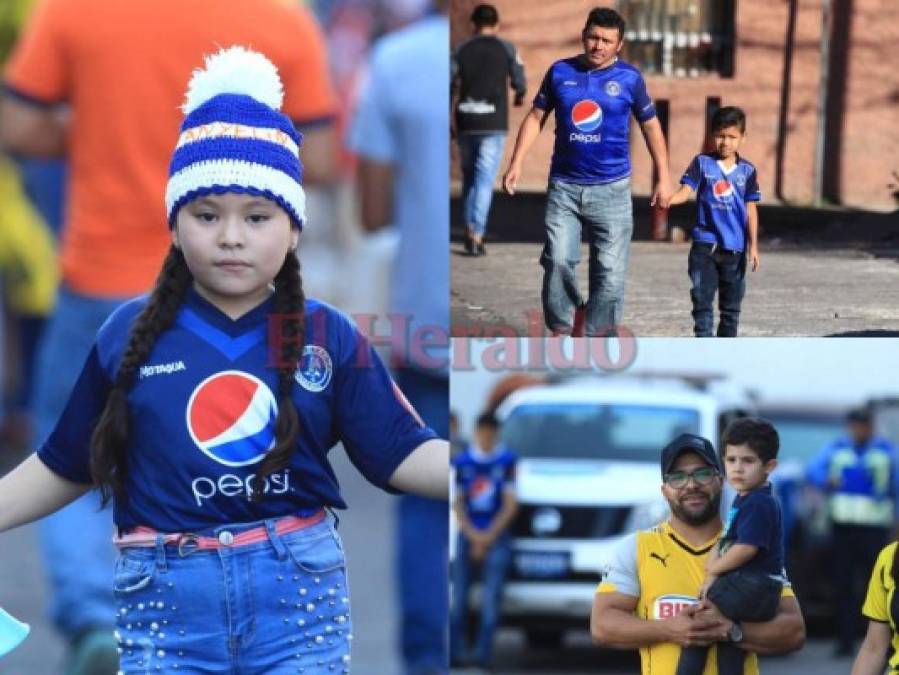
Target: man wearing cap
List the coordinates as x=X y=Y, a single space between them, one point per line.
x=857 y=472
x=649 y=598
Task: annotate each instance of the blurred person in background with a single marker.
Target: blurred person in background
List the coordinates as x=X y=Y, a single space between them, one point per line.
x=482 y=68
x=857 y=472
x=119 y=69
x=484 y=505
x=881 y=645
x=399 y=135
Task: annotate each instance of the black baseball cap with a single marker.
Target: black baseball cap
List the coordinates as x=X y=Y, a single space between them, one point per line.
x=689 y=443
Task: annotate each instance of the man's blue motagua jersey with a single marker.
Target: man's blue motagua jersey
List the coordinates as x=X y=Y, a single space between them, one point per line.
x=593 y=109
x=721 y=198
x=203 y=409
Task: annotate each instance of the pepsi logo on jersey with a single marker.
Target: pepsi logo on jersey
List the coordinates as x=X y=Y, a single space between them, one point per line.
x=586 y=116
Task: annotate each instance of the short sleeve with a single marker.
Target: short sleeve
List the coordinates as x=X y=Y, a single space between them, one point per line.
x=38 y=68
x=372 y=135
x=754 y=524
x=622 y=575
x=643 y=107
x=66 y=451
x=693 y=175
x=309 y=96
x=378 y=426
x=545 y=98
x=875 y=606
x=753 y=193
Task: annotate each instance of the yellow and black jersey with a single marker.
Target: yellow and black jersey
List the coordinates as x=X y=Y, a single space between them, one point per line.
x=880 y=603
x=664 y=573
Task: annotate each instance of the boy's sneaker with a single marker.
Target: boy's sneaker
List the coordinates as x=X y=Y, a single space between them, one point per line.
x=94 y=653
x=469 y=245
x=480 y=249
x=580 y=317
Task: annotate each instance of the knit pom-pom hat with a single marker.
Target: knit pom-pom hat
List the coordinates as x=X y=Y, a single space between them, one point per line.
x=234 y=137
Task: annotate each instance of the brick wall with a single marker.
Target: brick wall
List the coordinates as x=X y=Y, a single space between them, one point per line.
x=863 y=135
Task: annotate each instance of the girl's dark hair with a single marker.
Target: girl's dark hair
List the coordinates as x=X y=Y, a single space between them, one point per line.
x=109 y=443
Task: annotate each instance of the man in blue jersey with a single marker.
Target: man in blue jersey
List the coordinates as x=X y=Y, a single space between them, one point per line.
x=593 y=96
x=485 y=505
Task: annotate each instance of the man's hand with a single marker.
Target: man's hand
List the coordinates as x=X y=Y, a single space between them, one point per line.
x=709 y=613
x=661 y=196
x=694 y=627
x=510 y=179
x=753 y=256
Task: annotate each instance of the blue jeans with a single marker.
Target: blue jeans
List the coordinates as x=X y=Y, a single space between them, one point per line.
x=423 y=543
x=493 y=576
x=277 y=606
x=45 y=183
x=481 y=155
x=606 y=212
x=79 y=566
x=711 y=271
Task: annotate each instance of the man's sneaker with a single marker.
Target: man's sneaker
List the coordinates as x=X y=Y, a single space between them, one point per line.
x=94 y=653
x=580 y=316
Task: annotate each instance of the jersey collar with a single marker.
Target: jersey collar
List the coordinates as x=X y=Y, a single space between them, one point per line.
x=677 y=539
x=218 y=319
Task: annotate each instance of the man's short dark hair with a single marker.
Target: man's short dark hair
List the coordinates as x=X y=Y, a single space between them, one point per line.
x=487 y=419
x=485 y=16
x=757 y=434
x=729 y=116
x=605 y=18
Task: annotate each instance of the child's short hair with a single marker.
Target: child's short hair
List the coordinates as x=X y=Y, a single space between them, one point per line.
x=729 y=116
x=757 y=434
x=485 y=16
x=605 y=18
x=487 y=419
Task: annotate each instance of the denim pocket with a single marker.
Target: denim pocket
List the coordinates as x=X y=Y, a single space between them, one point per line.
x=316 y=555
x=133 y=572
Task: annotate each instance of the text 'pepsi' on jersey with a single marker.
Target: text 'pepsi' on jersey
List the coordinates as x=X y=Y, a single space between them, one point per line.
x=721 y=198
x=202 y=414
x=592 y=111
x=482 y=478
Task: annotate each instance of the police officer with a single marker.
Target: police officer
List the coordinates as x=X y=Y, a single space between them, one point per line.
x=858 y=473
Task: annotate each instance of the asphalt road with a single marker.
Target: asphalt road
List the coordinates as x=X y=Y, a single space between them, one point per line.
x=798 y=291
x=366 y=528
x=580 y=657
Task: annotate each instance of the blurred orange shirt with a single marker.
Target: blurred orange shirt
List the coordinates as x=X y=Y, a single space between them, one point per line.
x=123 y=66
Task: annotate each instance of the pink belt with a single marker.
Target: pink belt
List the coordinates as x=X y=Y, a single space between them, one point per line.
x=146 y=536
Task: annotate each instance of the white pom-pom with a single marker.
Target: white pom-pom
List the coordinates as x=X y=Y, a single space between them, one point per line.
x=236 y=70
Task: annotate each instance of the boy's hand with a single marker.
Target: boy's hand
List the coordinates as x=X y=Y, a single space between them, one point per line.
x=754 y=258
x=510 y=179
x=704 y=589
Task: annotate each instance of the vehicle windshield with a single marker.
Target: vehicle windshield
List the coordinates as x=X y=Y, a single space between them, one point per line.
x=802 y=435
x=592 y=431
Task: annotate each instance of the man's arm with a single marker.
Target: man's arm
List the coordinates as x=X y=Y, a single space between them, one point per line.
x=319 y=154
x=32 y=130
x=530 y=128
x=655 y=143
x=784 y=633
x=375 y=193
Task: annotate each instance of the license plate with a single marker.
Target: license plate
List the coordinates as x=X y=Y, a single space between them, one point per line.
x=542 y=564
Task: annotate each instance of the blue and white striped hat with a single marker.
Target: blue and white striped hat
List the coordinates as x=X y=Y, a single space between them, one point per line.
x=234 y=137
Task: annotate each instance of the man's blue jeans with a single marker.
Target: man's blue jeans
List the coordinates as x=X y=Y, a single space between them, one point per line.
x=481 y=155
x=494 y=568
x=712 y=270
x=76 y=542
x=606 y=213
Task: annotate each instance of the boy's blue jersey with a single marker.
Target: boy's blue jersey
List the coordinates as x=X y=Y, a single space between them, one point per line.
x=593 y=109
x=202 y=412
x=721 y=200
x=481 y=479
x=755 y=519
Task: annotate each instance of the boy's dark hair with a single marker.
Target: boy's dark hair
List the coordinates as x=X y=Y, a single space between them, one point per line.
x=109 y=443
x=485 y=16
x=605 y=18
x=487 y=419
x=757 y=434
x=729 y=116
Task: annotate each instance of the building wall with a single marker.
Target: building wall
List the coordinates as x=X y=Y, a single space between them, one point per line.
x=862 y=149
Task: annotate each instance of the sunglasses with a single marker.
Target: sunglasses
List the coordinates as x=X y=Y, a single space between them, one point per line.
x=679 y=479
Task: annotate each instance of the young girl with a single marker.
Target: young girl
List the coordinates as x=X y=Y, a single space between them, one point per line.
x=206 y=412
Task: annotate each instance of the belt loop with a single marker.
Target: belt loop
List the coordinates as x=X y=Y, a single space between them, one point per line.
x=160 y=553
x=275 y=538
x=334 y=516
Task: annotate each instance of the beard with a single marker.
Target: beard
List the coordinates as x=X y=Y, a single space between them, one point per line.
x=696 y=515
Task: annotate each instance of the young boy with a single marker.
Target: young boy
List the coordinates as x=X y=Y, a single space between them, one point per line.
x=744 y=573
x=726 y=233
x=485 y=506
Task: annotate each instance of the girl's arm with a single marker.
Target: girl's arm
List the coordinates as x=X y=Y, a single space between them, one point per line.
x=872 y=657
x=683 y=193
x=425 y=472
x=31 y=491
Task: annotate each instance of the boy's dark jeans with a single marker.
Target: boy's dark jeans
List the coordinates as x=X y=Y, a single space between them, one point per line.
x=714 y=269
x=740 y=596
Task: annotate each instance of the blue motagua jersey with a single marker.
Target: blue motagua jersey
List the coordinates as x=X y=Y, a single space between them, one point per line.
x=721 y=198
x=481 y=479
x=203 y=408
x=592 y=109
